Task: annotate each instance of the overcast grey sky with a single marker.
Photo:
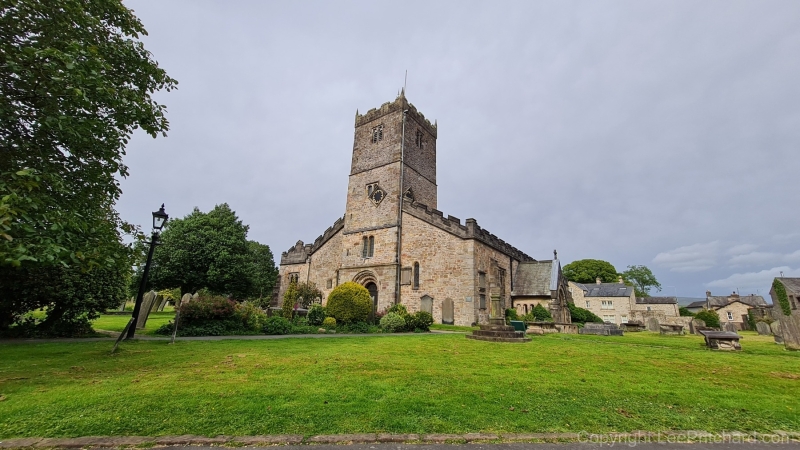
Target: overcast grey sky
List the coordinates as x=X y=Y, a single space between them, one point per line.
x=638 y=132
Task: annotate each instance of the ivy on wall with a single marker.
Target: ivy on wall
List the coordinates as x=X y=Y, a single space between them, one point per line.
x=783 y=299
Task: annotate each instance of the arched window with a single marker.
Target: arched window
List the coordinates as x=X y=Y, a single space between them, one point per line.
x=416 y=276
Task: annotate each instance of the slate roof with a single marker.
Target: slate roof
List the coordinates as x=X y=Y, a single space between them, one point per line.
x=606 y=290
x=699 y=304
x=686 y=301
x=791 y=284
x=536 y=278
x=656 y=301
x=718 y=301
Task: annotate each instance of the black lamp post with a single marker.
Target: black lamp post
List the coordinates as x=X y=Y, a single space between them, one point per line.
x=159 y=219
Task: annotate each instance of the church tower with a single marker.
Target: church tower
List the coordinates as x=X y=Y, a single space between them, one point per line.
x=376 y=172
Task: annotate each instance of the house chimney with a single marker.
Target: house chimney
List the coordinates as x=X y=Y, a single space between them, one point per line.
x=735 y=295
x=620 y=280
x=597 y=280
x=708 y=294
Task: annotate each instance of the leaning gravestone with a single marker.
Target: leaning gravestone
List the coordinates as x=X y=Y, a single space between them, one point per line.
x=696 y=324
x=653 y=325
x=730 y=327
x=763 y=328
x=144 y=310
x=775 y=327
x=156 y=302
x=185 y=299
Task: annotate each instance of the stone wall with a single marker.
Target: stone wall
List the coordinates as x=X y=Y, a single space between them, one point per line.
x=737 y=310
x=669 y=309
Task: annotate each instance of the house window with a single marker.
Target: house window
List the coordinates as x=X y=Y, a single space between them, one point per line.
x=624 y=319
x=482 y=303
x=648 y=308
x=377 y=134
x=367 y=247
x=419 y=139
x=482 y=281
x=415 y=285
x=587 y=304
x=329 y=284
x=607 y=304
x=608 y=319
x=730 y=315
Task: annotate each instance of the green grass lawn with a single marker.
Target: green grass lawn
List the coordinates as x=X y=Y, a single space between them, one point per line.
x=424 y=383
x=118 y=322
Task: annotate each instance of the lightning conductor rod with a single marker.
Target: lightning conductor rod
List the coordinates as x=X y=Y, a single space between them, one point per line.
x=400 y=202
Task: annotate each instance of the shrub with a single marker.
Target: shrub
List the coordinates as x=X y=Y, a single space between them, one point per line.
x=511 y=314
x=580 y=315
x=399 y=309
x=316 y=315
x=711 y=318
x=251 y=316
x=349 y=303
x=357 y=327
x=541 y=314
x=684 y=312
x=289 y=299
x=421 y=320
x=308 y=293
x=393 y=322
x=207 y=308
x=329 y=323
x=277 y=325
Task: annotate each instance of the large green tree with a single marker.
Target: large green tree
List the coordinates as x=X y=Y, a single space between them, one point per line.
x=75 y=82
x=642 y=279
x=211 y=251
x=588 y=270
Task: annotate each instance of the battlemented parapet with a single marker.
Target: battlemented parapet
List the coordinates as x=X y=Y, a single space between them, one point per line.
x=300 y=252
x=399 y=104
x=471 y=229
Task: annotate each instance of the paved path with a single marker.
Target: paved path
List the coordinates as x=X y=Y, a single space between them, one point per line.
x=694 y=440
x=115 y=334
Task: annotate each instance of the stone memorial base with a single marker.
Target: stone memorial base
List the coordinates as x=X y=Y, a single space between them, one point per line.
x=633 y=326
x=722 y=340
x=601 y=329
x=497 y=331
x=671 y=329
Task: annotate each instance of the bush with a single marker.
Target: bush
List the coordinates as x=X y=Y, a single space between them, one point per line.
x=420 y=321
x=357 y=327
x=541 y=314
x=329 y=323
x=316 y=315
x=349 y=303
x=289 y=299
x=398 y=309
x=684 y=312
x=511 y=314
x=216 y=316
x=277 y=325
x=580 y=315
x=207 y=308
x=711 y=318
x=393 y=322
x=251 y=316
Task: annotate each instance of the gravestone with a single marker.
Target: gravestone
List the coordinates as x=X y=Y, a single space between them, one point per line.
x=721 y=340
x=601 y=329
x=696 y=324
x=156 y=302
x=763 y=328
x=447 y=311
x=426 y=304
x=144 y=310
x=730 y=326
x=775 y=327
x=195 y=296
x=124 y=303
x=163 y=304
x=670 y=329
x=653 y=325
x=185 y=299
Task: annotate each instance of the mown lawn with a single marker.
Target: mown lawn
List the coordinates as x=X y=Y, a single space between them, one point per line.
x=401 y=384
x=118 y=322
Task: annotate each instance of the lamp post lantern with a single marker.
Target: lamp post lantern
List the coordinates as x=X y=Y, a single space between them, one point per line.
x=159 y=219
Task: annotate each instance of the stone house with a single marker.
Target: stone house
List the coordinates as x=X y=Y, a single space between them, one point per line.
x=732 y=309
x=392 y=238
x=609 y=301
x=541 y=283
x=789 y=324
x=664 y=309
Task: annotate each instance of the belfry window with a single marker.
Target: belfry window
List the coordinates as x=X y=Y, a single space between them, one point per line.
x=377 y=134
x=368 y=247
x=418 y=142
x=416 y=276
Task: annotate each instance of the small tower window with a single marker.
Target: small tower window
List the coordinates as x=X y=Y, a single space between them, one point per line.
x=377 y=134
x=368 y=247
x=418 y=142
x=416 y=276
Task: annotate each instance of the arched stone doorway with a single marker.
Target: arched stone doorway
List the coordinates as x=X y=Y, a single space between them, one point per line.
x=373 y=292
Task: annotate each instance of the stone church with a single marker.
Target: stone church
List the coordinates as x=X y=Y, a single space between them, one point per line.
x=394 y=241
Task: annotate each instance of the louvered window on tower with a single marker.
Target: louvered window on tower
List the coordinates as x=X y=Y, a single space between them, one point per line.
x=364 y=247
x=419 y=139
x=377 y=134
x=371 y=246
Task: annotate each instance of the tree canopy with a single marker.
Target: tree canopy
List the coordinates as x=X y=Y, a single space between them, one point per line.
x=75 y=82
x=642 y=279
x=211 y=251
x=588 y=270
